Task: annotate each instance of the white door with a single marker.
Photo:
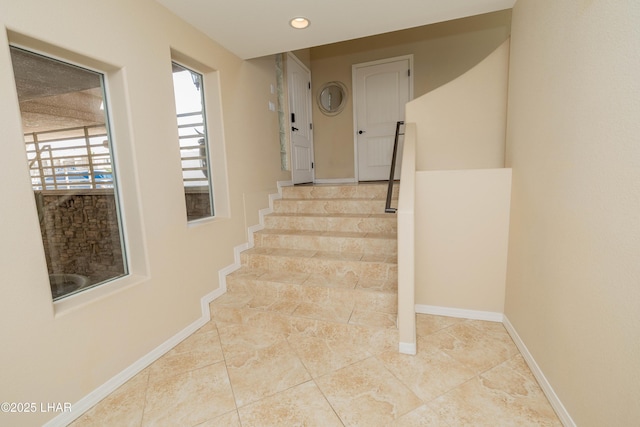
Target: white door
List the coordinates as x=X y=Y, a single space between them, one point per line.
x=299 y=87
x=381 y=90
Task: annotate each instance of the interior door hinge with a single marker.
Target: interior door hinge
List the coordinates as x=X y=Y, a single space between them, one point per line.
x=310 y=126
x=309 y=85
x=409 y=73
x=311 y=165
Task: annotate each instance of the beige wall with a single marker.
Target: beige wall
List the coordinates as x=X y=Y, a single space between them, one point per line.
x=463 y=123
x=462 y=216
x=573 y=280
x=60 y=354
x=462 y=227
x=441 y=53
x=304 y=55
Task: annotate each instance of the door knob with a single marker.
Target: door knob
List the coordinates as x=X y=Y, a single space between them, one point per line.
x=293 y=128
x=361 y=132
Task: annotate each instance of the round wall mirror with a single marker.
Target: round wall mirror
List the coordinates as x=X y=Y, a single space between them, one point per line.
x=332 y=98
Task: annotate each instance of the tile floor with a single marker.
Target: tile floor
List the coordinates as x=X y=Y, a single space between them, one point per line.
x=466 y=373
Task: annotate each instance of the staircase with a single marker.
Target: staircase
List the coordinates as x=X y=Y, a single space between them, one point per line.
x=325 y=265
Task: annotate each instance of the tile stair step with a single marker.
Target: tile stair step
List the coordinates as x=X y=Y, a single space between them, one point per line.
x=325 y=265
x=346 y=306
x=376 y=340
x=366 y=295
x=338 y=264
x=365 y=223
x=330 y=206
x=355 y=191
x=344 y=310
x=352 y=242
x=338 y=314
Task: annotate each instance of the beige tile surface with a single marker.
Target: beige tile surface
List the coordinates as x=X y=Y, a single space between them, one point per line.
x=324 y=355
x=348 y=282
x=367 y=394
x=478 y=402
x=237 y=339
x=124 y=407
x=189 y=398
x=373 y=319
x=427 y=374
x=385 y=302
x=426 y=325
x=480 y=351
x=382 y=285
x=302 y=405
x=265 y=372
x=305 y=336
x=265 y=378
x=421 y=417
x=199 y=350
x=230 y=419
x=331 y=313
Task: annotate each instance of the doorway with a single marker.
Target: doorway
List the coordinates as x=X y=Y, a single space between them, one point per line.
x=299 y=88
x=380 y=91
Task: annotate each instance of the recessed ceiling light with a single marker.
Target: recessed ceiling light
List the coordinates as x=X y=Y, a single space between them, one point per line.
x=299 y=23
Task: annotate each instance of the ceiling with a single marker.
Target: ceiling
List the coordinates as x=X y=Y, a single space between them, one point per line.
x=254 y=28
x=37 y=76
x=55 y=95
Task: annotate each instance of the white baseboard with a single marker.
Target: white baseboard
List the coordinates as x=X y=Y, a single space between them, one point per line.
x=253 y=229
x=489 y=316
x=335 y=181
x=281 y=184
x=224 y=272
x=407 y=348
x=555 y=402
x=91 y=399
x=551 y=395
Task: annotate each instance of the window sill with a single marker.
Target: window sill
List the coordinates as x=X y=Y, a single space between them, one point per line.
x=207 y=220
x=81 y=299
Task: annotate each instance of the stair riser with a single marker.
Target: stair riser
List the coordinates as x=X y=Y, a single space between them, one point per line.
x=347 y=225
x=332 y=206
x=362 y=300
x=328 y=243
x=375 y=340
x=327 y=267
x=339 y=192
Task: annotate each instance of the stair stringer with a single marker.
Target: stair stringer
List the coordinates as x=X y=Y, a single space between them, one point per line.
x=224 y=272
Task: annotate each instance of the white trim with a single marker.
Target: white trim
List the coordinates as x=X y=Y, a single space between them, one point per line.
x=335 y=181
x=546 y=387
x=460 y=312
x=281 y=184
x=111 y=385
x=94 y=397
x=254 y=229
x=353 y=97
x=224 y=272
x=407 y=348
x=266 y=211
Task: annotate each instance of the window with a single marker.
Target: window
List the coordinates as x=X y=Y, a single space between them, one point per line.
x=68 y=147
x=194 y=145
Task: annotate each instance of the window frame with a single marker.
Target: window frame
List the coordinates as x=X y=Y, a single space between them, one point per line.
x=206 y=146
x=134 y=251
